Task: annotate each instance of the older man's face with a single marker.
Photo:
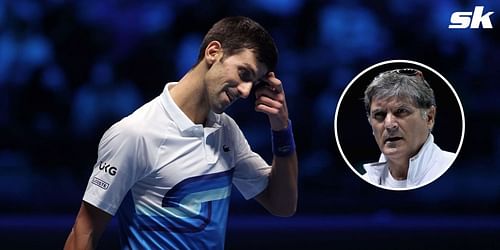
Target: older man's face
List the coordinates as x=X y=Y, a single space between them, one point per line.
x=399 y=127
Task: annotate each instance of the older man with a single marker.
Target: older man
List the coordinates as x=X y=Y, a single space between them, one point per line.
x=401 y=110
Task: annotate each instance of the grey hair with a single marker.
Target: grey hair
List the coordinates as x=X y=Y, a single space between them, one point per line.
x=401 y=83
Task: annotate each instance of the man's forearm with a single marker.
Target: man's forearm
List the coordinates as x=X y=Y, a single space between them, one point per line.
x=89 y=225
x=79 y=241
x=282 y=188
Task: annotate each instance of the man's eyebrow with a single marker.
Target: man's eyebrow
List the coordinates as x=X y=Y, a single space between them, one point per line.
x=249 y=68
x=376 y=110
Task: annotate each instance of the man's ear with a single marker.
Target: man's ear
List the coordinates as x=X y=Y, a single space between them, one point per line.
x=430 y=117
x=213 y=52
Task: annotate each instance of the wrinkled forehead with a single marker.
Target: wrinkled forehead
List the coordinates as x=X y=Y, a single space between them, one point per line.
x=393 y=101
x=248 y=58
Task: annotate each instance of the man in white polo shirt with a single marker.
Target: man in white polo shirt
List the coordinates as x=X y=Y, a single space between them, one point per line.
x=166 y=170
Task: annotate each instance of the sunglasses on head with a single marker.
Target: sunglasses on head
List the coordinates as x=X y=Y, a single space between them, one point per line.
x=407 y=72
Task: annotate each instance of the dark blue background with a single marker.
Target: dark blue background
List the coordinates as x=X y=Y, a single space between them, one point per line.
x=70 y=69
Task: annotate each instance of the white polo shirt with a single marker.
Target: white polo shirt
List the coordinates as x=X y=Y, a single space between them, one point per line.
x=172 y=178
x=423 y=168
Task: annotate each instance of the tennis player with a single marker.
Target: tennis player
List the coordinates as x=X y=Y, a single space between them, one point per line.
x=167 y=169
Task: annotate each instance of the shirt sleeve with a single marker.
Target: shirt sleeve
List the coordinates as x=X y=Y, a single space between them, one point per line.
x=251 y=174
x=121 y=162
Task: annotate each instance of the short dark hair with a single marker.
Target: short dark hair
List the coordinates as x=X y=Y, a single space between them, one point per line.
x=238 y=33
x=403 y=83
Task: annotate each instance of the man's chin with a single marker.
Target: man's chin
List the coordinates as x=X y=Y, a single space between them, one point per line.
x=221 y=109
x=392 y=152
x=218 y=111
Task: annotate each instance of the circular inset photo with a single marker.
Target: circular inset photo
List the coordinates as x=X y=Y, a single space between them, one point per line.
x=399 y=125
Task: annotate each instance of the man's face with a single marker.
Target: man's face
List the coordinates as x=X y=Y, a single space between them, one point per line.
x=232 y=77
x=399 y=127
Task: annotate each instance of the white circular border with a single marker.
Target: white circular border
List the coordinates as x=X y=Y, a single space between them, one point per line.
x=377 y=65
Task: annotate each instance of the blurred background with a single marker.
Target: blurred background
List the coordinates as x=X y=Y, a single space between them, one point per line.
x=70 y=69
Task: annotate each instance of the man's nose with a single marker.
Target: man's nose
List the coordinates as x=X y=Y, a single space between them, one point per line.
x=244 y=89
x=390 y=122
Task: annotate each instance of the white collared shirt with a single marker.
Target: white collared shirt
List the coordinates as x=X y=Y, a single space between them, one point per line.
x=172 y=178
x=426 y=166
